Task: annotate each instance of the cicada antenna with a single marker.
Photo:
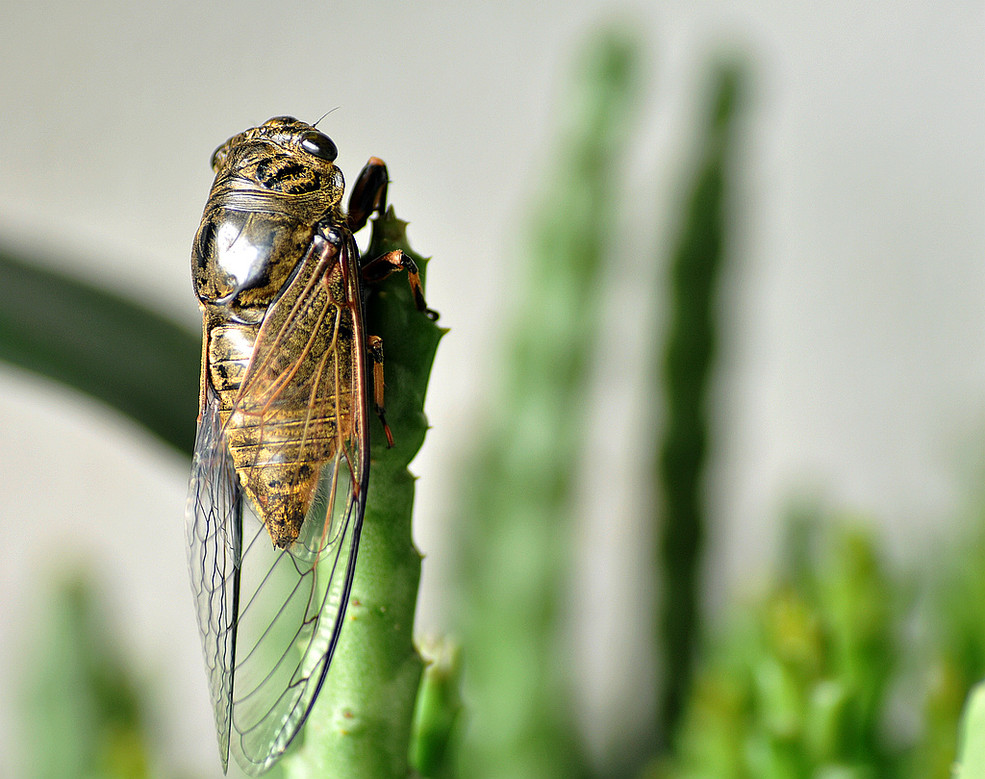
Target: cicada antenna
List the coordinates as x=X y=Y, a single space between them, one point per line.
x=330 y=110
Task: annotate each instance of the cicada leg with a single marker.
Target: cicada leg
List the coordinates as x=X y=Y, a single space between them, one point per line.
x=368 y=193
x=375 y=346
x=368 y=196
x=376 y=270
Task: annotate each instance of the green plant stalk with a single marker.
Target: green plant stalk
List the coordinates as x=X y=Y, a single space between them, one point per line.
x=688 y=359
x=517 y=496
x=360 y=726
x=121 y=353
x=439 y=705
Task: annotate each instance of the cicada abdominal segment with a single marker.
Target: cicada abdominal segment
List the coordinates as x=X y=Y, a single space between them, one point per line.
x=281 y=465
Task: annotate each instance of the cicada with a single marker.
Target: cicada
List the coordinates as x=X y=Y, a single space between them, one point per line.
x=281 y=464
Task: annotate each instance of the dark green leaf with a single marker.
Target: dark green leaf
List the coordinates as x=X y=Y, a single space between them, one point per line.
x=131 y=358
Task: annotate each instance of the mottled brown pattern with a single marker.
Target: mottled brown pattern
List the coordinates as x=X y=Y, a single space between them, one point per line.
x=276 y=272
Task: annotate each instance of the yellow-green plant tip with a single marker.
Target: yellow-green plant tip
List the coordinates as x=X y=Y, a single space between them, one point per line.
x=438 y=707
x=971 y=754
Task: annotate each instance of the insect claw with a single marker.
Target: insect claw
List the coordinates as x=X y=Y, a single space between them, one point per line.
x=386 y=428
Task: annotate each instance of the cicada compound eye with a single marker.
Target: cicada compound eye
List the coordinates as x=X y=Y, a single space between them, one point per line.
x=319 y=145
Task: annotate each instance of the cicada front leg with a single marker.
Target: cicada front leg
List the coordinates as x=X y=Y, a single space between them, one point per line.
x=368 y=193
x=369 y=196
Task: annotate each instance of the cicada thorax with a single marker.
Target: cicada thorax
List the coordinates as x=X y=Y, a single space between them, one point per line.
x=280 y=322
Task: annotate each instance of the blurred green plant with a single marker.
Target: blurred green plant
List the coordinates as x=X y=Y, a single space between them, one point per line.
x=82 y=713
x=439 y=705
x=691 y=343
x=806 y=681
x=954 y=660
x=100 y=343
x=517 y=491
x=971 y=760
x=799 y=685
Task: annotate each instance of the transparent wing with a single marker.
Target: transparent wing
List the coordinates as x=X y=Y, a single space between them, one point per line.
x=270 y=617
x=212 y=528
x=291 y=605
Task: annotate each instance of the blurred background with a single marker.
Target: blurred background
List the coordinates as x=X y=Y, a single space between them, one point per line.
x=851 y=370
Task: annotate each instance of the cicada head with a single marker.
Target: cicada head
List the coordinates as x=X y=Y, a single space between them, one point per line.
x=274 y=184
x=298 y=159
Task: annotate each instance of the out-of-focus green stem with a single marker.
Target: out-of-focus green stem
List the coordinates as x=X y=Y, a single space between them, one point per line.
x=439 y=704
x=517 y=496
x=360 y=725
x=690 y=352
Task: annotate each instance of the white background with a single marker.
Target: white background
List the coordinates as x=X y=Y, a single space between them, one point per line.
x=855 y=362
